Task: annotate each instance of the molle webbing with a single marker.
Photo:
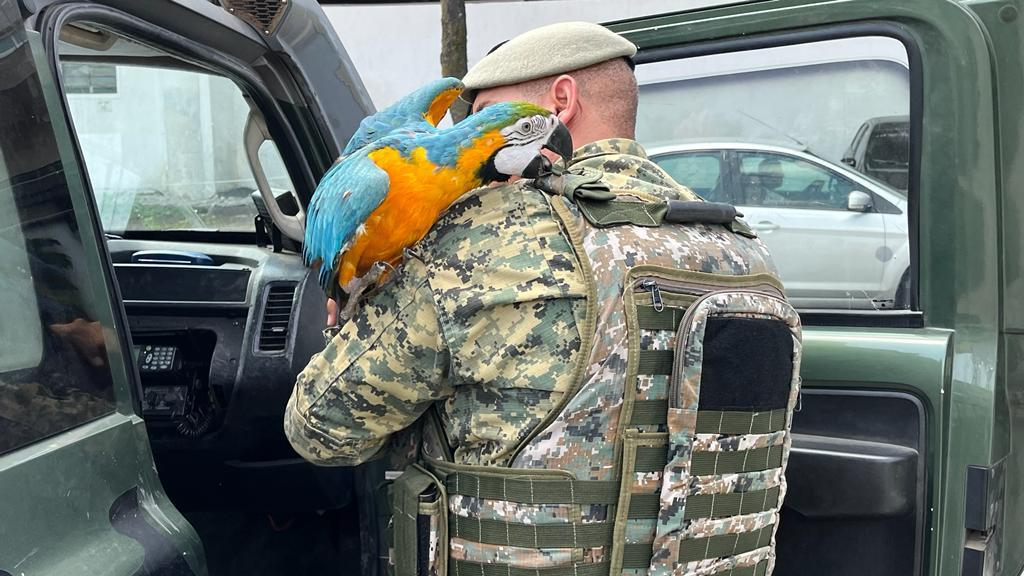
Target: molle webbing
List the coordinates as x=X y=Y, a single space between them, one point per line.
x=652 y=412
x=716 y=430
x=464 y=568
x=654 y=459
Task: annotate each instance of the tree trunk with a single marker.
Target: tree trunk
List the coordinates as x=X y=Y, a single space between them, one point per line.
x=453 y=48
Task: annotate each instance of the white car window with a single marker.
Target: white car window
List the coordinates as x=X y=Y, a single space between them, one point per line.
x=767 y=179
x=700 y=171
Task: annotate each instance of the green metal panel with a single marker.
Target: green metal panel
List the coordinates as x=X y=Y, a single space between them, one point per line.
x=1002 y=21
x=912 y=361
x=958 y=208
x=58 y=495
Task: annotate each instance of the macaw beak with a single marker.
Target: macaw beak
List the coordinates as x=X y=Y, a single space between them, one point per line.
x=560 y=142
x=538 y=167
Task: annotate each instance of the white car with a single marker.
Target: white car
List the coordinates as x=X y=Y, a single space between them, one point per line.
x=839 y=238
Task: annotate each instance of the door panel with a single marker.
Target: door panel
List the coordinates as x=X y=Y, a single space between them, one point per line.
x=953 y=229
x=80 y=509
x=71 y=446
x=861 y=475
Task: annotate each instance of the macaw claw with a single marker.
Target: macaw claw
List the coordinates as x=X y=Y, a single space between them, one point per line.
x=359 y=287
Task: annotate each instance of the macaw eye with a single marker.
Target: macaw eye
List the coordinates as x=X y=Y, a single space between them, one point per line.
x=525 y=127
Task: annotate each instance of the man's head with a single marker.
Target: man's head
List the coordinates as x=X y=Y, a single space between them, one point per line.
x=770 y=171
x=580 y=71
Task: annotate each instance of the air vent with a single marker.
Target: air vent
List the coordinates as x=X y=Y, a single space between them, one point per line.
x=263 y=15
x=277 y=315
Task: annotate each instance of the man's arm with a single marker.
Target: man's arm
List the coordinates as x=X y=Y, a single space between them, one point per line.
x=377 y=376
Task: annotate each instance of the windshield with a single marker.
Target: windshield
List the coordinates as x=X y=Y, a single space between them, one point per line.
x=164 y=147
x=889 y=146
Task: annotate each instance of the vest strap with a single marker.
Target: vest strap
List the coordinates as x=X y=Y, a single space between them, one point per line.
x=724 y=545
x=533 y=490
x=731 y=504
x=566 y=535
x=655 y=362
x=635 y=556
x=653 y=413
x=644 y=506
x=648 y=318
x=759 y=569
x=649 y=412
x=709 y=505
x=733 y=422
x=467 y=568
x=738 y=462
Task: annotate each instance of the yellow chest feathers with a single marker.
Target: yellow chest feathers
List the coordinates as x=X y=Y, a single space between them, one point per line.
x=419 y=191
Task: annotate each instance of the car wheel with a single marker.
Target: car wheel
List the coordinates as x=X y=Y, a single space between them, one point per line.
x=903 y=292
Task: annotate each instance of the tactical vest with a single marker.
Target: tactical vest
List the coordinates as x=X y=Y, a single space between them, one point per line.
x=668 y=457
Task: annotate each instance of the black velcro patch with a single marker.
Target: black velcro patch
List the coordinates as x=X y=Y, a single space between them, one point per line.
x=747 y=364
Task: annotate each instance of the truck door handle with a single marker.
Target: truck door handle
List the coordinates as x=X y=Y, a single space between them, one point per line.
x=765 y=226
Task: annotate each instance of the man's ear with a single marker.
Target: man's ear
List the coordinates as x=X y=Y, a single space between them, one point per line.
x=565 y=95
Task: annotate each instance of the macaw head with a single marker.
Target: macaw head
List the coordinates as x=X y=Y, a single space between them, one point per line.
x=524 y=130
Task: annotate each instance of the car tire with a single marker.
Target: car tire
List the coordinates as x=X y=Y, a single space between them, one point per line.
x=902 y=301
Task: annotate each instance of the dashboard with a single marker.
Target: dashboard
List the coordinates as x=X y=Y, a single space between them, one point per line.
x=220 y=333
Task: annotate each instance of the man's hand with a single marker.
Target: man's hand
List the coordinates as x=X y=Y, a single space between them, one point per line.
x=332 y=312
x=86 y=337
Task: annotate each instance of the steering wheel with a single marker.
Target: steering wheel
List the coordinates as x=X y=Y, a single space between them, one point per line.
x=813 y=189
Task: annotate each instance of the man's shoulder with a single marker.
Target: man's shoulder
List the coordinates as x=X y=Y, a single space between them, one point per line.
x=626 y=167
x=501 y=238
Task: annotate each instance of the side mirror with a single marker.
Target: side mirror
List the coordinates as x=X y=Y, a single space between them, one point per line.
x=858 y=201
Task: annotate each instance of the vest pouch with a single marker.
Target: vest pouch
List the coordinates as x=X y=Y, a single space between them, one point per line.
x=420 y=524
x=732 y=392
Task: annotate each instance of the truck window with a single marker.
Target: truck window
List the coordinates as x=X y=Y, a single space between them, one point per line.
x=164 y=144
x=54 y=366
x=785 y=117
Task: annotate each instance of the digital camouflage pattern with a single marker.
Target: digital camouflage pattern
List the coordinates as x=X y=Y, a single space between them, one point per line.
x=483 y=317
x=487 y=317
x=678 y=483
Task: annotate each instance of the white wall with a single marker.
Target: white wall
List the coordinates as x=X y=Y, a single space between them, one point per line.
x=396 y=48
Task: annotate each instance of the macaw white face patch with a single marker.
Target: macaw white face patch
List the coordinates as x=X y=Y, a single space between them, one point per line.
x=524 y=140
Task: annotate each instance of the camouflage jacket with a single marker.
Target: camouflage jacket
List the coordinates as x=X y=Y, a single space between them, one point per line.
x=484 y=316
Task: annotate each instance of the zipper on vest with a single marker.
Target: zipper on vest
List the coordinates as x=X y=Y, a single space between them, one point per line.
x=655 y=285
x=651 y=285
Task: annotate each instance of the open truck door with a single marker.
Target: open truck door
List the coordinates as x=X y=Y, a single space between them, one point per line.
x=902 y=446
x=154 y=161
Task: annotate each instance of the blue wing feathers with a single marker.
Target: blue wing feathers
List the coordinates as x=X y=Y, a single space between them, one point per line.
x=346 y=196
x=405 y=113
x=355 y=186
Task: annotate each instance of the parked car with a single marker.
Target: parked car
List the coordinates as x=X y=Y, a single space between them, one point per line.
x=881 y=150
x=906 y=454
x=840 y=240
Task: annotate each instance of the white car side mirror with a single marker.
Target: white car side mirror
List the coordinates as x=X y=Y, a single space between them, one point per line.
x=858 y=201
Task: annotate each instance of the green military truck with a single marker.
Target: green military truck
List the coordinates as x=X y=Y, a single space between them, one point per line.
x=156 y=157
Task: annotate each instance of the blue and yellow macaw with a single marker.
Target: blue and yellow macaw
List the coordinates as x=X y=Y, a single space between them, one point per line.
x=400 y=172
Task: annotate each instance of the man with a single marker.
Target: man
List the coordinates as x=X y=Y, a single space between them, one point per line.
x=760 y=187
x=502 y=335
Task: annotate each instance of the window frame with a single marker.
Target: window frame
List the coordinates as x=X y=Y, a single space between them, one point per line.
x=914 y=317
x=303 y=158
x=724 y=173
x=188 y=55
x=82 y=218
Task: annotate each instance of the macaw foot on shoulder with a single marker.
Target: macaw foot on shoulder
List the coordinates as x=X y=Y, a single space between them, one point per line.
x=360 y=286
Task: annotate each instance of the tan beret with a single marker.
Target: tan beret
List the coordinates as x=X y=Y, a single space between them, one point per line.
x=546 y=51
